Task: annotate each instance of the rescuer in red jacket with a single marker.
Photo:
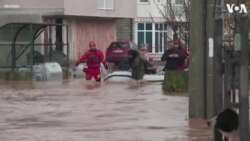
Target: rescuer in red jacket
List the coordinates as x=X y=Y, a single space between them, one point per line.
x=94 y=58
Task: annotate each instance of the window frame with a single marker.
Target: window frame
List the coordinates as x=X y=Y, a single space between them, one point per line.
x=104 y=6
x=141 y=2
x=158 y=1
x=154 y=50
x=177 y=4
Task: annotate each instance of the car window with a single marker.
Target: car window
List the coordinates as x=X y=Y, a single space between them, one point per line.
x=117 y=45
x=113 y=46
x=125 y=45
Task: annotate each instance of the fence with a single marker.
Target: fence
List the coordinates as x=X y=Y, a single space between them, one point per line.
x=23 y=45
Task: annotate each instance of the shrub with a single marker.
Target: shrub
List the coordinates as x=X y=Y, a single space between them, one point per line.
x=175 y=81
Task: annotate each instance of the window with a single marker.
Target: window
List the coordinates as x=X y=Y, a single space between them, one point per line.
x=178 y=2
x=158 y=1
x=144 y=1
x=160 y=37
x=152 y=34
x=106 y=4
x=140 y=26
x=148 y=26
x=144 y=34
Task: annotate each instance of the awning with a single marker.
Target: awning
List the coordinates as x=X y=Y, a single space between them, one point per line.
x=20 y=32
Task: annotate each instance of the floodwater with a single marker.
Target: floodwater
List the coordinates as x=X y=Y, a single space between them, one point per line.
x=78 y=111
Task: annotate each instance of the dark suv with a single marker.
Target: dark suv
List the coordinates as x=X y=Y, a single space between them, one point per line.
x=117 y=51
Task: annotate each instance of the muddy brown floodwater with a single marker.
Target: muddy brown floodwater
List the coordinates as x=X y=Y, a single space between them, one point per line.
x=76 y=111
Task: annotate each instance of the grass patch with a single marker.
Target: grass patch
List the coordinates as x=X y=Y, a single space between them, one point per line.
x=10 y=75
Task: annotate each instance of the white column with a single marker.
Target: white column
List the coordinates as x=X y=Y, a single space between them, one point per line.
x=170 y=32
x=153 y=37
x=53 y=34
x=64 y=36
x=135 y=32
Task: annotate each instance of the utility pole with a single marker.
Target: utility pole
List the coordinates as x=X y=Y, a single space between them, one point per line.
x=243 y=77
x=206 y=93
x=216 y=92
x=197 y=60
x=214 y=37
x=205 y=81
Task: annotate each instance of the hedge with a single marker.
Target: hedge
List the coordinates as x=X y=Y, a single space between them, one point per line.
x=175 y=81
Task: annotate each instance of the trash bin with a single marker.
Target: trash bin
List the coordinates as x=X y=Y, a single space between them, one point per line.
x=53 y=71
x=78 y=73
x=39 y=72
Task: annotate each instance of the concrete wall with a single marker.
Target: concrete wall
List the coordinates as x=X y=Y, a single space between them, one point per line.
x=26 y=15
x=122 y=8
x=4 y=18
x=33 y=4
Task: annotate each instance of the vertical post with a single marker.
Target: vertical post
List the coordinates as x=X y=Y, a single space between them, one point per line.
x=218 y=66
x=46 y=39
x=214 y=64
x=50 y=43
x=223 y=55
x=217 y=75
x=213 y=61
x=13 y=46
x=214 y=34
x=197 y=60
x=31 y=47
x=243 y=88
x=68 y=53
x=228 y=75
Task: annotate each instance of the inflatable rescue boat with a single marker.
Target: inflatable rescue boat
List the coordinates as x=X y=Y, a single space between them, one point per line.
x=118 y=76
x=121 y=76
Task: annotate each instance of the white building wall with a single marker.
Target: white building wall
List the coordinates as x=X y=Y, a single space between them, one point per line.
x=151 y=9
x=94 y=8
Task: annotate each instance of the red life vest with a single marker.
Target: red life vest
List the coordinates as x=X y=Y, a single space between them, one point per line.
x=93 y=58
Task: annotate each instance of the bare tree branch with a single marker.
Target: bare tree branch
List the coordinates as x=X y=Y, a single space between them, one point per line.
x=177 y=17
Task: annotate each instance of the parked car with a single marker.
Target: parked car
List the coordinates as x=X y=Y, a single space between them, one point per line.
x=117 y=51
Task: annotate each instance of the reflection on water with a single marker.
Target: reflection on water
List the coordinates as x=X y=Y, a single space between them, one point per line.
x=76 y=110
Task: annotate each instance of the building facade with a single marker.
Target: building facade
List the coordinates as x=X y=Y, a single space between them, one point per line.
x=154 y=25
x=103 y=21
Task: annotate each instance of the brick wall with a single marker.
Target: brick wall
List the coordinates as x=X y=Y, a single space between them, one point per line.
x=124 y=30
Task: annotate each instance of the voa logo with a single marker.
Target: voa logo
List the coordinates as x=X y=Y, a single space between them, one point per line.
x=233 y=8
